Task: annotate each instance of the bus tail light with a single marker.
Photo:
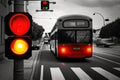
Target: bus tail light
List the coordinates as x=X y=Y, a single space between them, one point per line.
x=89 y=49
x=62 y=50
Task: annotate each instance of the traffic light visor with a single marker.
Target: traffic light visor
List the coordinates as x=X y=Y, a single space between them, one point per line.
x=45 y=2
x=19 y=24
x=19 y=46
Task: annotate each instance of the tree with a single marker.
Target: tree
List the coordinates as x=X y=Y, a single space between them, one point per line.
x=111 y=30
x=37 y=31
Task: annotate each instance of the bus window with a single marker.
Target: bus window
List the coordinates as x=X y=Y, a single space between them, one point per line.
x=83 y=36
x=74 y=36
x=76 y=23
x=66 y=36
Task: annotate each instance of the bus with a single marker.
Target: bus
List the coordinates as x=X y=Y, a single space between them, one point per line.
x=71 y=37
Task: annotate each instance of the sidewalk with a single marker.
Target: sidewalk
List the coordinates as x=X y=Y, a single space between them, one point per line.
x=6 y=67
x=29 y=65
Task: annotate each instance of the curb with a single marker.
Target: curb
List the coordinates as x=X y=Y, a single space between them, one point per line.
x=34 y=63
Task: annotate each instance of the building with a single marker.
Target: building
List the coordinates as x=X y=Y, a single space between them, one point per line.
x=4 y=10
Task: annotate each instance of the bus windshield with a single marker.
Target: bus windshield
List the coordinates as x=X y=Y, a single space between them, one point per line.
x=75 y=23
x=73 y=36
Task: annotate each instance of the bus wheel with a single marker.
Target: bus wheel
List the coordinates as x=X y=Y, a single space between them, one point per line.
x=51 y=49
x=106 y=46
x=56 y=56
x=97 y=45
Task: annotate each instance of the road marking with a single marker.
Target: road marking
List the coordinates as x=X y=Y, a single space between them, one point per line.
x=42 y=66
x=107 y=60
x=56 y=74
x=109 y=55
x=80 y=73
x=35 y=62
x=117 y=69
x=105 y=73
x=41 y=74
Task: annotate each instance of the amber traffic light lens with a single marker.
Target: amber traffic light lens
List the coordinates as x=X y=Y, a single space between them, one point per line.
x=19 y=46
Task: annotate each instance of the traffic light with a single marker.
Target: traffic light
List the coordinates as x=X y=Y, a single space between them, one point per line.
x=18 y=27
x=44 y=5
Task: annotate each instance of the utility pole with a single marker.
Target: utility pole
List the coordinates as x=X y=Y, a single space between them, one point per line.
x=102 y=17
x=18 y=64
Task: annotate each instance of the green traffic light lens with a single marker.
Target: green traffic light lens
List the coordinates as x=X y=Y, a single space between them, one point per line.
x=46 y=8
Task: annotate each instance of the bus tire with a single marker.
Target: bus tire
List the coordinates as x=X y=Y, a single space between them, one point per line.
x=51 y=49
x=106 y=46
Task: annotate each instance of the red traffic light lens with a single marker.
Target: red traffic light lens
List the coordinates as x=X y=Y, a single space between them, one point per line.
x=19 y=24
x=19 y=46
x=45 y=2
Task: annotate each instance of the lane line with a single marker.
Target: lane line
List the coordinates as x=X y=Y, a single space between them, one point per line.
x=109 y=55
x=41 y=74
x=107 y=60
x=105 y=73
x=80 y=73
x=35 y=62
x=33 y=69
x=56 y=74
x=42 y=66
x=117 y=69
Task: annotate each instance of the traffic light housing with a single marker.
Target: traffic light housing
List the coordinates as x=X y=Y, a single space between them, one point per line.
x=44 y=5
x=18 y=27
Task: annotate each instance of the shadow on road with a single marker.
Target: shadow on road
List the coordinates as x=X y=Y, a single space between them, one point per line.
x=68 y=60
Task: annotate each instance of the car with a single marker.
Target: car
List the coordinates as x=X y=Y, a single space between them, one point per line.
x=35 y=47
x=46 y=40
x=106 y=42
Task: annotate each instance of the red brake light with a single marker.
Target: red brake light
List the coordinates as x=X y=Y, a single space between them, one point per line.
x=63 y=49
x=89 y=49
x=19 y=24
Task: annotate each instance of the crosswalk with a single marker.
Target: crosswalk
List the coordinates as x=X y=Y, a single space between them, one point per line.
x=56 y=73
x=81 y=74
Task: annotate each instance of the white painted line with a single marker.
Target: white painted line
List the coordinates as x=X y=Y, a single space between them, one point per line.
x=56 y=74
x=41 y=74
x=34 y=64
x=42 y=66
x=107 y=60
x=105 y=73
x=117 y=69
x=80 y=73
x=109 y=55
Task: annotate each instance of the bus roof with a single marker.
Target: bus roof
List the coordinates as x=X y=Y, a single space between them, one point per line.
x=74 y=16
x=65 y=17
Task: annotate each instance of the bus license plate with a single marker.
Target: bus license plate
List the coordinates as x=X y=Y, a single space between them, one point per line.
x=76 y=48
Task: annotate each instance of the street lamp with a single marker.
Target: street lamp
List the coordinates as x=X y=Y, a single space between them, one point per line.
x=102 y=17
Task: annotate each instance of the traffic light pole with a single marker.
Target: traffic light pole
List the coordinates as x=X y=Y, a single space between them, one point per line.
x=18 y=64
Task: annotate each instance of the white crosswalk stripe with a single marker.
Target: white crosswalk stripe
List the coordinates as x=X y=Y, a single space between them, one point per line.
x=81 y=74
x=56 y=74
x=117 y=69
x=105 y=73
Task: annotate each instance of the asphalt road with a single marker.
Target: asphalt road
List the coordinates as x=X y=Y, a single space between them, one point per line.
x=103 y=65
